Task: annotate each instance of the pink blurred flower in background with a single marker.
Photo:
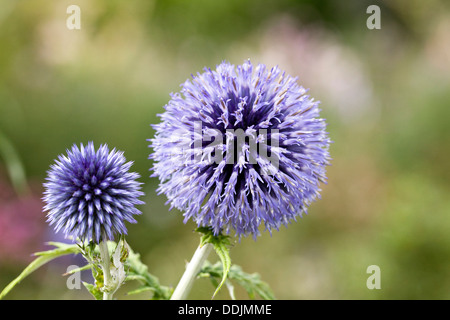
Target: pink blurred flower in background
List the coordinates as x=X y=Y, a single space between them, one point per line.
x=22 y=224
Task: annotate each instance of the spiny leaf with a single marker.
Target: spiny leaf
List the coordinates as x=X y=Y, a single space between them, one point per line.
x=139 y=271
x=94 y=290
x=224 y=254
x=72 y=271
x=252 y=283
x=140 y=290
x=221 y=245
x=44 y=257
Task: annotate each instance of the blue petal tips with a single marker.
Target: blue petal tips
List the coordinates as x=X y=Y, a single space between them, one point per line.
x=239 y=147
x=90 y=194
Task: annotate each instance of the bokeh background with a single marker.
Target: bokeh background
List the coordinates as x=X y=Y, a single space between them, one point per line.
x=385 y=94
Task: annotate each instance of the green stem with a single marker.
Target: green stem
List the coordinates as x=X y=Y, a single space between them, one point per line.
x=193 y=268
x=107 y=279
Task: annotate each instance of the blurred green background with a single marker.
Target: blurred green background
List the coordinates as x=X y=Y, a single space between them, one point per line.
x=385 y=94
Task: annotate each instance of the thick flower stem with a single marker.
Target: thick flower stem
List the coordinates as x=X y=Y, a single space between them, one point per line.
x=187 y=280
x=107 y=279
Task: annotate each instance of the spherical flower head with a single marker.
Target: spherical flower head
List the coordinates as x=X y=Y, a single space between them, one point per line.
x=90 y=194
x=240 y=147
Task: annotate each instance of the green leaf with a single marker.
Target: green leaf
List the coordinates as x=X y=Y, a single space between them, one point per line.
x=86 y=267
x=252 y=283
x=140 y=290
x=94 y=290
x=44 y=257
x=224 y=254
x=221 y=245
x=61 y=249
x=136 y=270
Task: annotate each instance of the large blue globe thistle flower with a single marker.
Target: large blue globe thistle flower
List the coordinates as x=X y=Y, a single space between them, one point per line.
x=240 y=147
x=90 y=194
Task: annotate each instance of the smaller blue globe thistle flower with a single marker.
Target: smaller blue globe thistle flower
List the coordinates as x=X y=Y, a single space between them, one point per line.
x=90 y=194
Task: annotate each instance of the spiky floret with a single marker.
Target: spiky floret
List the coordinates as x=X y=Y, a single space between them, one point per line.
x=268 y=173
x=89 y=194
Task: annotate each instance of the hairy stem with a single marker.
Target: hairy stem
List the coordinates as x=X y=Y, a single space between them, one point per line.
x=107 y=279
x=193 y=268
